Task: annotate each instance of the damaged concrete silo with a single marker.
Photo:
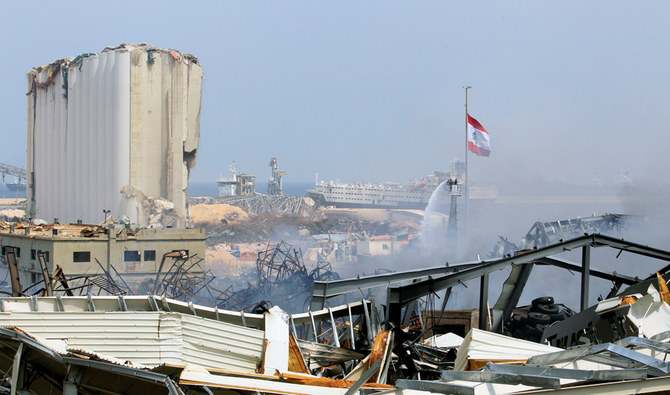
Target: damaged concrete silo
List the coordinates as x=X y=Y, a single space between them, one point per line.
x=116 y=130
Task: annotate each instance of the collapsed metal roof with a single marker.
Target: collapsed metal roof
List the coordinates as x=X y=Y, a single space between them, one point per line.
x=151 y=344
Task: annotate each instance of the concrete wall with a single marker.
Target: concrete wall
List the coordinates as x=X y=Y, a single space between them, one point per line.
x=114 y=130
x=105 y=249
x=378 y=247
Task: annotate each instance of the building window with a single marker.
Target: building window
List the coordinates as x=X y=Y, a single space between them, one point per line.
x=81 y=256
x=17 y=250
x=149 y=255
x=33 y=254
x=131 y=256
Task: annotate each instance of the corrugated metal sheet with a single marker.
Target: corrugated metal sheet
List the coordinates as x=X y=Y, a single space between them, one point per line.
x=148 y=338
x=121 y=117
x=132 y=336
x=128 y=303
x=218 y=345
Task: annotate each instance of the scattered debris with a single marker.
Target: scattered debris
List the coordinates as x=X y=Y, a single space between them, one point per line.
x=541 y=234
x=281 y=276
x=617 y=345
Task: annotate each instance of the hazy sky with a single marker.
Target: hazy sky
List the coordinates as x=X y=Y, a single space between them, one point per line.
x=372 y=91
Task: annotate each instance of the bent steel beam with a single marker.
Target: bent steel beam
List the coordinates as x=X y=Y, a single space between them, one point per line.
x=510 y=295
x=324 y=290
x=400 y=296
x=613 y=276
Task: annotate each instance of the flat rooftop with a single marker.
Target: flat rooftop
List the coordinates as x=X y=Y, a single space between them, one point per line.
x=87 y=231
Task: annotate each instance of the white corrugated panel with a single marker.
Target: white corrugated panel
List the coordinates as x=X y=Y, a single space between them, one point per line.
x=145 y=338
x=488 y=346
x=128 y=303
x=218 y=345
x=148 y=338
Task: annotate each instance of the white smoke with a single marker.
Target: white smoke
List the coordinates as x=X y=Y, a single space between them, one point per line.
x=433 y=231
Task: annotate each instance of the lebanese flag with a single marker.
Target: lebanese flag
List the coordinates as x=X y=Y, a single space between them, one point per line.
x=478 y=138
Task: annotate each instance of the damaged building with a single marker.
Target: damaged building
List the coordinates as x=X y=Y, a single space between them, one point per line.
x=91 y=253
x=115 y=131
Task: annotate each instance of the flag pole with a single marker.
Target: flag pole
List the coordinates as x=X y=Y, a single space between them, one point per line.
x=466 y=182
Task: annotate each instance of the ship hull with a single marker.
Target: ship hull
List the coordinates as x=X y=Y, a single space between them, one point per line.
x=320 y=200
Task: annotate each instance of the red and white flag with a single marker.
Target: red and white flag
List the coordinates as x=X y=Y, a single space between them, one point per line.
x=478 y=138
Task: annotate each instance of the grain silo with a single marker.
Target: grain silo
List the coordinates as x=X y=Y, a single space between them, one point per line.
x=116 y=130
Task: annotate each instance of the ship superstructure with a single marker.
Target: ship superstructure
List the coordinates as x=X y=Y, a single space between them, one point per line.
x=237 y=185
x=413 y=195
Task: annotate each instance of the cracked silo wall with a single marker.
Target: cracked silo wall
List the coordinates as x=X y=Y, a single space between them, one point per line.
x=115 y=130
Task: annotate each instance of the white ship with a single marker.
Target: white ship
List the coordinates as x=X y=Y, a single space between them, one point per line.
x=414 y=195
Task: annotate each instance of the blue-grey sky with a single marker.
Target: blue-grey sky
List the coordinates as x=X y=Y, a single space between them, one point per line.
x=569 y=91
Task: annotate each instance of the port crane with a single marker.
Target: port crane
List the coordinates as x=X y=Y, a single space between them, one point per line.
x=18 y=172
x=275 y=181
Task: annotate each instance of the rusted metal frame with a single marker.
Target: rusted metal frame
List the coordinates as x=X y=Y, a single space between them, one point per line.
x=194 y=264
x=48 y=290
x=13 y=263
x=108 y=276
x=175 y=275
x=122 y=280
x=185 y=292
x=194 y=281
x=171 y=254
x=58 y=274
x=203 y=282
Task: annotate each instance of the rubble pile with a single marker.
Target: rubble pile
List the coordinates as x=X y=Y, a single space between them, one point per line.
x=260 y=204
x=233 y=224
x=217 y=214
x=281 y=277
x=12 y=214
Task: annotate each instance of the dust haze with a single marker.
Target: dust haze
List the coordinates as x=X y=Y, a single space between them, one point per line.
x=513 y=216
